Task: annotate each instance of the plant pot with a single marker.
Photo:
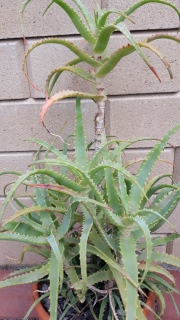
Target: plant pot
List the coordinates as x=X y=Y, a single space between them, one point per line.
x=43 y=315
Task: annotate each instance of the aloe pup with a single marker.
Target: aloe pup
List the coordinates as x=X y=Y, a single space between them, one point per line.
x=103 y=212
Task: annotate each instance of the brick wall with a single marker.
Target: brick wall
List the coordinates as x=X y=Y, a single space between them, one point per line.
x=138 y=105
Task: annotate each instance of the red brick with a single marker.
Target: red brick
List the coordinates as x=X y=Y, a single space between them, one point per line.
x=16 y=300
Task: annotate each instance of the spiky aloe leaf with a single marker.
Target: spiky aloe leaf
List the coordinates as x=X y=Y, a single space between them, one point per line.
x=165 y=207
x=84 y=56
x=111 y=164
x=22 y=238
x=99 y=243
x=161 y=281
x=115 y=220
x=122 y=185
x=103 y=19
x=64 y=226
x=112 y=192
x=147 y=236
x=36 y=209
x=104 y=37
x=96 y=277
x=41 y=251
x=66 y=94
x=80 y=140
x=87 y=225
x=145 y=169
x=126 y=50
x=127 y=247
x=157 y=269
x=137 y=5
x=162 y=257
x=151 y=212
x=29 y=277
x=107 y=239
x=54 y=275
x=76 y=20
x=102 y=308
x=57 y=249
x=56 y=74
x=160 y=55
x=112 y=263
x=160 y=241
x=87 y=15
x=76 y=70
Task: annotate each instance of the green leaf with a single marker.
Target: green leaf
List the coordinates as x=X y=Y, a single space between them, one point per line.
x=104 y=37
x=78 y=52
x=76 y=20
x=23 y=238
x=162 y=257
x=36 y=209
x=80 y=141
x=145 y=169
x=58 y=252
x=147 y=236
x=127 y=247
x=112 y=192
x=96 y=277
x=157 y=269
x=64 y=226
x=103 y=19
x=54 y=285
x=66 y=94
x=122 y=185
x=111 y=262
x=137 y=5
x=87 y=225
x=56 y=73
x=87 y=15
x=29 y=277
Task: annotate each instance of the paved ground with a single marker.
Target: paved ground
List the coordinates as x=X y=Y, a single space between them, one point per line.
x=15 y=301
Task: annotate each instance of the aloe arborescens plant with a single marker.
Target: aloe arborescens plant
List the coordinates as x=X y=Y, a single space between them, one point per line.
x=104 y=211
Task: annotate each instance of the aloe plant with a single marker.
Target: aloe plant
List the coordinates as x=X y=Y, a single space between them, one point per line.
x=97 y=32
x=114 y=226
x=103 y=212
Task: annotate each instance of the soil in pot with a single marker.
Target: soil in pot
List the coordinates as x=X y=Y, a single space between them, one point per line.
x=82 y=311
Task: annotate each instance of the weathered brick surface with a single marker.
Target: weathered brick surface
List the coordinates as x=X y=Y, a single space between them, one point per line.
x=130 y=76
x=143 y=116
x=13 y=83
x=55 y=22
x=150 y=16
x=26 y=115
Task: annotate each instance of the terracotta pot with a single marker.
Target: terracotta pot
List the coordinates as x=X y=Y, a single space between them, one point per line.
x=43 y=315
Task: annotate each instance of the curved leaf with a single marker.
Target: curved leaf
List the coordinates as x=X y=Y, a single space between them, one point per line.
x=145 y=169
x=65 y=94
x=137 y=5
x=87 y=15
x=87 y=225
x=104 y=37
x=76 y=20
x=29 y=277
x=84 y=56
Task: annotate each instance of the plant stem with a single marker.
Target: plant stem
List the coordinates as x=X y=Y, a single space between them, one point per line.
x=99 y=118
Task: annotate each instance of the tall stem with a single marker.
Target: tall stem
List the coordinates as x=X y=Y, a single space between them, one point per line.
x=100 y=116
